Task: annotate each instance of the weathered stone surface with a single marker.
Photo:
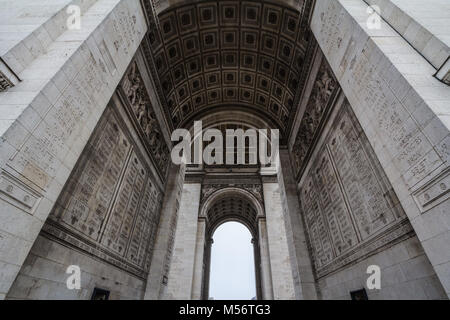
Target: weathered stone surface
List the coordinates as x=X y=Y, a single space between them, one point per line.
x=164 y=245
x=111 y=202
x=63 y=92
x=346 y=200
x=379 y=73
x=181 y=272
x=363 y=112
x=43 y=275
x=145 y=117
x=280 y=260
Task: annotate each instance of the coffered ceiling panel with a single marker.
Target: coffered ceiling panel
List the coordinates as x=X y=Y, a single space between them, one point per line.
x=211 y=55
x=232 y=208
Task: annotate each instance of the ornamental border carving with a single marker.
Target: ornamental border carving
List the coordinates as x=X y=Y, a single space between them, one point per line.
x=4 y=82
x=320 y=103
x=141 y=111
x=253 y=188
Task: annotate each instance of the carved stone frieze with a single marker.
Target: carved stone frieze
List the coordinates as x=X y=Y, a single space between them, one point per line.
x=254 y=189
x=325 y=85
x=145 y=117
x=4 y=82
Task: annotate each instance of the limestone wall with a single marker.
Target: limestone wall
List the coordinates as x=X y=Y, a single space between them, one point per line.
x=105 y=220
x=424 y=27
x=280 y=258
x=402 y=110
x=162 y=253
x=180 y=277
x=406 y=273
x=48 y=117
x=354 y=220
x=43 y=275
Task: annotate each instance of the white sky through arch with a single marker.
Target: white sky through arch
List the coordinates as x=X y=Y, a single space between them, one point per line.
x=232 y=263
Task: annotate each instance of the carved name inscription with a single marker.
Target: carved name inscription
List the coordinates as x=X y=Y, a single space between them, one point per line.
x=38 y=157
x=346 y=198
x=372 y=85
x=110 y=201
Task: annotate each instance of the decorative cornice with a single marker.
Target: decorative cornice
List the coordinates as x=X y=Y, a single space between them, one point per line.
x=254 y=189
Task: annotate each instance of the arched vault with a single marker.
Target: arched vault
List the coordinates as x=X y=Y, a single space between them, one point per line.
x=215 y=56
x=232 y=204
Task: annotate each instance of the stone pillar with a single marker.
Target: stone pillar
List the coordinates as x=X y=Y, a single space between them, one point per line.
x=67 y=79
x=162 y=252
x=181 y=272
x=207 y=269
x=257 y=260
x=264 y=266
x=198 y=263
x=280 y=259
x=305 y=287
x=403 y=110
x=406 y=15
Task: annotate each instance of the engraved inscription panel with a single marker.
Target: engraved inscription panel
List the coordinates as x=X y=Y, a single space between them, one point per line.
x=346 y=198
x=372 y=86
x=110 y=205
x=94 y=188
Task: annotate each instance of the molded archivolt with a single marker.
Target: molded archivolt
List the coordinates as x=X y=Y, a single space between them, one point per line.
x=235 y=117
x=221 y=204
x=211 y=55
x=231 y=204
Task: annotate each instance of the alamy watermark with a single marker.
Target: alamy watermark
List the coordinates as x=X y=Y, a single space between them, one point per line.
x=73 y=22
x=374 y=18
x=374 y=280
x=73 y=281
x=235 y=148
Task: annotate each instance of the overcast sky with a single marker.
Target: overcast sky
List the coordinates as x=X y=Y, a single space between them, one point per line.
x=232 y=263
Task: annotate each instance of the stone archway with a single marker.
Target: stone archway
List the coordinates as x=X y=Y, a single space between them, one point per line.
x=232 y=204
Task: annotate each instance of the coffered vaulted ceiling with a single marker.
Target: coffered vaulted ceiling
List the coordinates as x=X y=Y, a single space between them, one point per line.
x=218 y=55
x=232 y=207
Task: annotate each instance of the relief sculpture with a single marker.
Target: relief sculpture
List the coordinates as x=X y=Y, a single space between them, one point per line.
x=324 y=87
x=4 y=82
x=145 y=117
x=254 y=189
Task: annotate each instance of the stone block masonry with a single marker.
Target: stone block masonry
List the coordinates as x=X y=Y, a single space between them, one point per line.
x=404 y=112
x=48 y=117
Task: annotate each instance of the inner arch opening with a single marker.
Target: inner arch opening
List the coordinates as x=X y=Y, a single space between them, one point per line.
x=232 y=263
x=232 y=238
